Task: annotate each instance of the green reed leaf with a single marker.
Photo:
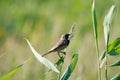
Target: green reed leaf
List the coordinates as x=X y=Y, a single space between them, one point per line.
x=106 y=24
x=113 y=49
x=41 y=59
x=116 y=64
x=116 y=77
x=94 y=20
x=11 y=73
x=70 y=68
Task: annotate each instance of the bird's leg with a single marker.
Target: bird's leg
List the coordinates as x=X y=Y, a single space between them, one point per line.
x=64 y=52
x=59 y=54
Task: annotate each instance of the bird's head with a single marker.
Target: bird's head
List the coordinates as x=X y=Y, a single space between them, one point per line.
x=66 y=36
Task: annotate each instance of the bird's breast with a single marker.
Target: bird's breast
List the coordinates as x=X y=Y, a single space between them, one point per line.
x=67 y=42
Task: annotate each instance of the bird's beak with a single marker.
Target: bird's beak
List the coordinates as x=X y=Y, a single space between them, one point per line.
x=70 y=36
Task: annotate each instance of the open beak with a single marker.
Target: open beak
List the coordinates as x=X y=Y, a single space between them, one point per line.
x=72 y=31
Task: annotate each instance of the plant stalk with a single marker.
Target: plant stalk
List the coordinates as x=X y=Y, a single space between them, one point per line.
x=96 y=38
x=98 y=62
x=60 y=71
x=106 y=72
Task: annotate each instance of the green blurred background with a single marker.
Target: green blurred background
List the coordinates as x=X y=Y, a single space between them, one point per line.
x=43 y=22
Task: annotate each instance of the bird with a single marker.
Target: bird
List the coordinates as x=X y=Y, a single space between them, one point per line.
x=60 y=45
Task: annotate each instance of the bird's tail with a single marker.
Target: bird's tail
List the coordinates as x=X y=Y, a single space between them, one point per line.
x=46 y=53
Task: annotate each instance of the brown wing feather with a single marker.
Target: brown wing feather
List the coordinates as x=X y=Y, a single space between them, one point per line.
x=62 y=44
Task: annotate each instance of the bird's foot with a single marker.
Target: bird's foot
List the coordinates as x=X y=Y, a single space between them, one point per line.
x=64 y=53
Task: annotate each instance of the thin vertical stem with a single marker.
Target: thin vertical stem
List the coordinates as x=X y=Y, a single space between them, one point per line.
x=106 y=25
x=60 y=64
x=98 y=62
x=96 y=37
x=60 y=71
x=106 y=72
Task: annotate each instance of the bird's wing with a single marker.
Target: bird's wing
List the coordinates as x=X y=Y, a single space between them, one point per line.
x=58 y=45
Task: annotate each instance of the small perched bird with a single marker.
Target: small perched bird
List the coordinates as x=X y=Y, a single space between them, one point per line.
x=60 y=45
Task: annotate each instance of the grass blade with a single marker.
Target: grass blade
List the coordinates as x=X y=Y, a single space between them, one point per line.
x=106 y=24
x=102 y=63
x=41 y=59
x=114 y=44
x=60 y=61
x=117 y=77
x=70 y=68
x=95 y=28
x=102 y=56
x=112 y=49
x=115 y=51
x=94 y=20
x=11 y=73
x=116 y=64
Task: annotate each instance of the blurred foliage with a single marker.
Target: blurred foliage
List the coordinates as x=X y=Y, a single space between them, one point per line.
x=43 y=22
